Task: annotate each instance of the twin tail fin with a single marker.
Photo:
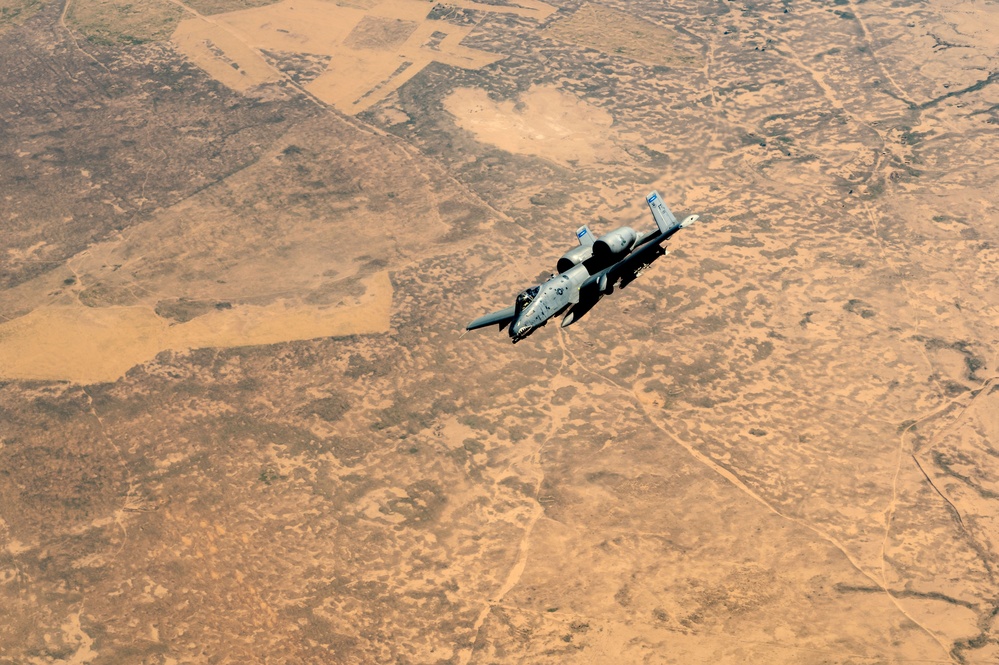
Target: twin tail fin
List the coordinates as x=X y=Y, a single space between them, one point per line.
x=661 y=212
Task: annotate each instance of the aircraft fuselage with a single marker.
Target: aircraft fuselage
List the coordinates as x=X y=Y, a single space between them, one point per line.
x=587 y=273
x=551 y=299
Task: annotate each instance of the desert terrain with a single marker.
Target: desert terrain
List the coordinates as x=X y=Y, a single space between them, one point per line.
x=239 y=418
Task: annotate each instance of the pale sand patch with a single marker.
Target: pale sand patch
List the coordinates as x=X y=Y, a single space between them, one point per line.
x=90 y=345
x=975 y=20
x=222 y=55
x=73 y=633
x=374 y=47
x=545 y=122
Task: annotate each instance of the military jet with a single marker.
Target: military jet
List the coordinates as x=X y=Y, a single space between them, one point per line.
x=588 y=272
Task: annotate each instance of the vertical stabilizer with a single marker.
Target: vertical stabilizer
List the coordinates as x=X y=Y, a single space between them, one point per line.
x=585 y=236
x=664 y=218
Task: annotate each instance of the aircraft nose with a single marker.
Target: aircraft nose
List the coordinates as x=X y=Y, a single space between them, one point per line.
x=517 y=328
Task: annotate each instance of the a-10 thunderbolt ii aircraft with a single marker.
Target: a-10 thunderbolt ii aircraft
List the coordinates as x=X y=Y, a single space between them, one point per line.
x=587 y=273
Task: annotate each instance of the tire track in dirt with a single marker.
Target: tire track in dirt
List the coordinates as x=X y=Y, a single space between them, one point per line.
x=84 y=652
x=537 y=512
x=631 y=623
x=939 y=411
x=76 y=42
x=371 y=130
x=873 y=51
x=733 y=479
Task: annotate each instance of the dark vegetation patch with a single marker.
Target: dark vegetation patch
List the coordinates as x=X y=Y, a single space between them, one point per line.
x=182 y=310
x=111 y=142
x=106 y=295
x=16 y=12
x=268 y=476
x=302 y=68
x=946 y=463
x=860 y=308
x=905 y=593
x=124 y=22
x=454 y=14
x=422 y=504
x=222 y=6
x=761 y=350
x=564 y=395
x=552 y=199
x=331 y=409
x=972 y=361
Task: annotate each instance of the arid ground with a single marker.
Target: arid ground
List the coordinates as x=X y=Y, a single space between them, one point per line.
x=240 y=241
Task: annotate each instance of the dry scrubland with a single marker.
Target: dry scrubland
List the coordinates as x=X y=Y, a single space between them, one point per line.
x=237 y=420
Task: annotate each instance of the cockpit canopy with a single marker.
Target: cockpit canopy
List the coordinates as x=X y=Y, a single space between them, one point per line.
x=524 y=298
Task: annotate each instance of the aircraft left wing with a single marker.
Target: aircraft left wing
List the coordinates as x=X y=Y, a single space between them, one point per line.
x=501 y=318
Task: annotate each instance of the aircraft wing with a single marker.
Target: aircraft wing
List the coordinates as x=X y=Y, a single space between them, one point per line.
x=501 y=318
x=648 y=251
x=644 y=254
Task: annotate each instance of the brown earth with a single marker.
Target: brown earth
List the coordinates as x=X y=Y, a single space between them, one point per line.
x=238 y=421
x=373 y=47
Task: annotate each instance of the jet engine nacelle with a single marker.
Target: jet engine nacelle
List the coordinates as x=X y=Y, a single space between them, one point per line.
x=574 y=257
x=615 y=242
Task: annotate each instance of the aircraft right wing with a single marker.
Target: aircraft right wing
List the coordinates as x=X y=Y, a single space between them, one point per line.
x=645 y=253
x=501 y=318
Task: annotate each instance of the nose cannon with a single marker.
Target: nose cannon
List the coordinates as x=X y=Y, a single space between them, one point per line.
x=519 y=331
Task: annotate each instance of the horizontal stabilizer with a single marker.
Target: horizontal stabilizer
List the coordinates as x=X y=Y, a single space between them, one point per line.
x=501 y=318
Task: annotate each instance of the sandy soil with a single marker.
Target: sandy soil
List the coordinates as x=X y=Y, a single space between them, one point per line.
x=210 y=272
x=543 y=122
x=92 y=345
x=620 y=33
x=779 y=445
x=374 y=48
